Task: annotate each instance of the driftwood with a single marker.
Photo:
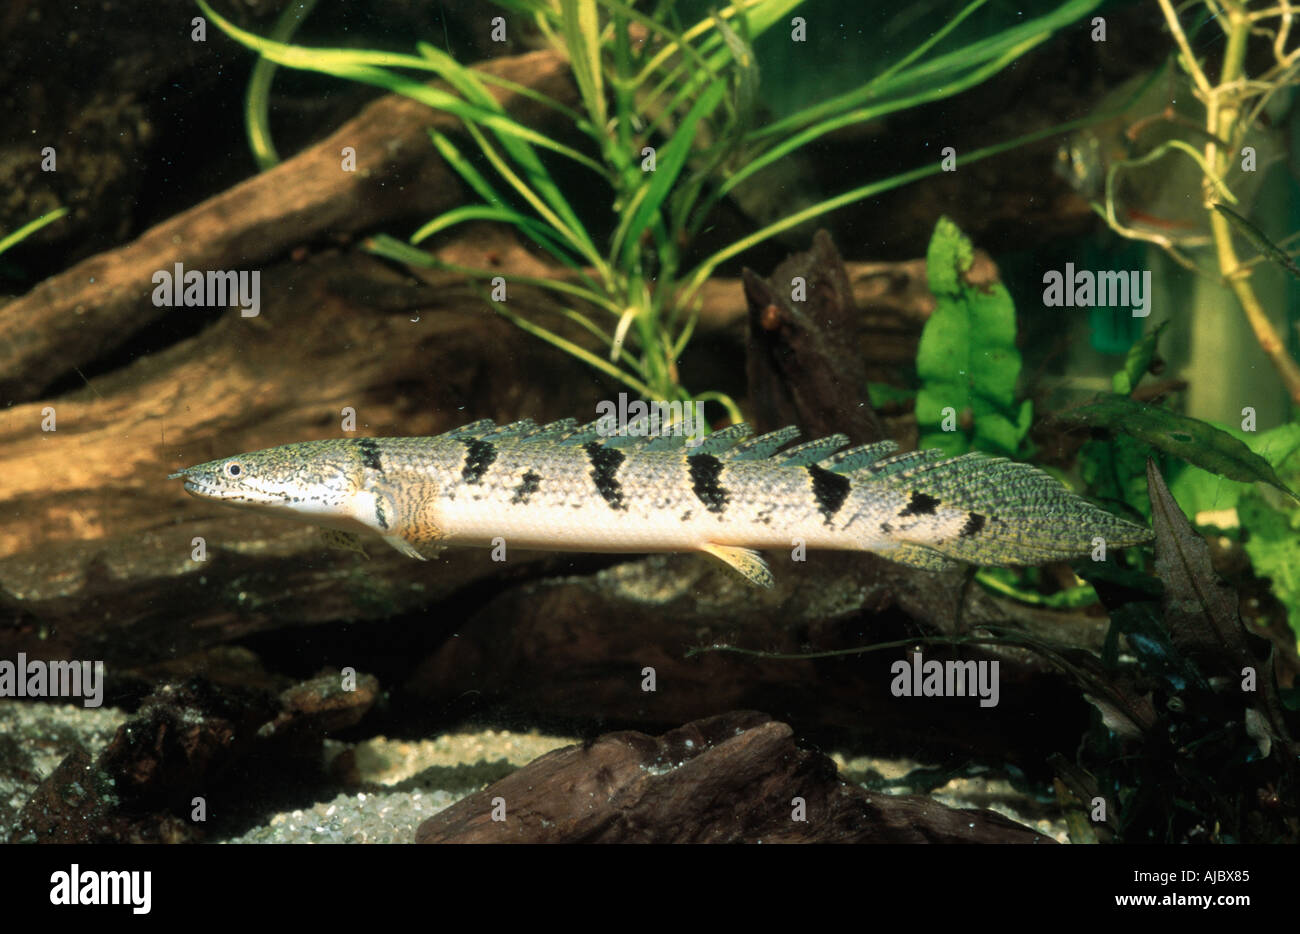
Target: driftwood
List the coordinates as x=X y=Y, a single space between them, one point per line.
x=734 y=778
x=803 y=362
x=79 y=315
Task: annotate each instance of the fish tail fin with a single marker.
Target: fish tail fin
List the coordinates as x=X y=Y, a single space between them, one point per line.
x=987 y=510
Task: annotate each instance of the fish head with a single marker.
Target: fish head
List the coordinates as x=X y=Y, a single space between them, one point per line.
x=312 y=481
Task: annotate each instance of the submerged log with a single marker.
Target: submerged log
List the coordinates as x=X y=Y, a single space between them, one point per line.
x=733 y=778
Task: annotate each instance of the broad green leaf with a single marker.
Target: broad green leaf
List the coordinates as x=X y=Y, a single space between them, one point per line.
x=1200 y=492
x=1273 y=544
x=1272 y=523
x=1196 y=442
x=882 y=394
x=967 y=361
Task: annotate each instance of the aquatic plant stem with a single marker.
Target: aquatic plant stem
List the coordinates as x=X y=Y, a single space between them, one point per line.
x=1222 y=113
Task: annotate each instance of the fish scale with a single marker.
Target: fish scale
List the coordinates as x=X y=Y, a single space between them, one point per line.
x=575 y=488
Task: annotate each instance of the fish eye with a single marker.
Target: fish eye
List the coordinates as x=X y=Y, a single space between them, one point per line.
x=233 y=469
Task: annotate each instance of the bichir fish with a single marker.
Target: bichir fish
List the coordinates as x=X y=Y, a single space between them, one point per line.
x=565 y=487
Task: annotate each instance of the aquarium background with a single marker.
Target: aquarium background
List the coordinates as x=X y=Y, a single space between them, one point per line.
x=620 y=209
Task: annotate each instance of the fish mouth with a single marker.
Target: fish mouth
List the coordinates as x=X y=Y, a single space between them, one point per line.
x=194 y=487
x=191 y=485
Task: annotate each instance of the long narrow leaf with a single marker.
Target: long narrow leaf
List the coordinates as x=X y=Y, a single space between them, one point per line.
x=1258 y=239
x=669 y=165
x=701 y=273
x=402 y=252
x=485 y=212
x=582 y=38
x=29 y=228
x=865 y=114
x=575 y=234
x=937 y=72
x=576 y=350
x=541 y=234
x=371 y=68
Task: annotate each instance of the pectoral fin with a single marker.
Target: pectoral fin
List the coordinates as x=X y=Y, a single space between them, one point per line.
x=745 y=560
x=919 y=556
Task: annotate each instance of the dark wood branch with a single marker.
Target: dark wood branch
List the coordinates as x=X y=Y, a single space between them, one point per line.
x=78 y=315
x=733 y=778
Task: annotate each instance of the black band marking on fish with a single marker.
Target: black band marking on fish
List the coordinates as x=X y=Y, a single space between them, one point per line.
x=831 y=490
x=478 y=458
x=604 y=472
x=370 y=454
x=705 y=470
x=919 y=505
x=528 y=485
x=974 y=525
x=379 y=514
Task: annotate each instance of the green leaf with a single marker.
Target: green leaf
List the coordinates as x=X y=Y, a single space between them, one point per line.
x=967 y=361
x=1196 y=442
x=950 y=254
x=1274 y=549
x=668 y=165
x=1116 y=471
x=1138 y=361
x=1010 y=583
x=1199 y=491
x=746 y=70
x=1273 y=525
x=882 y=394
x=1258 y=239
x=29 y=228
x=582 y=41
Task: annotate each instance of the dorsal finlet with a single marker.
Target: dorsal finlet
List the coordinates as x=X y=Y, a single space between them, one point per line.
x=762 y=447
x=811 y=452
